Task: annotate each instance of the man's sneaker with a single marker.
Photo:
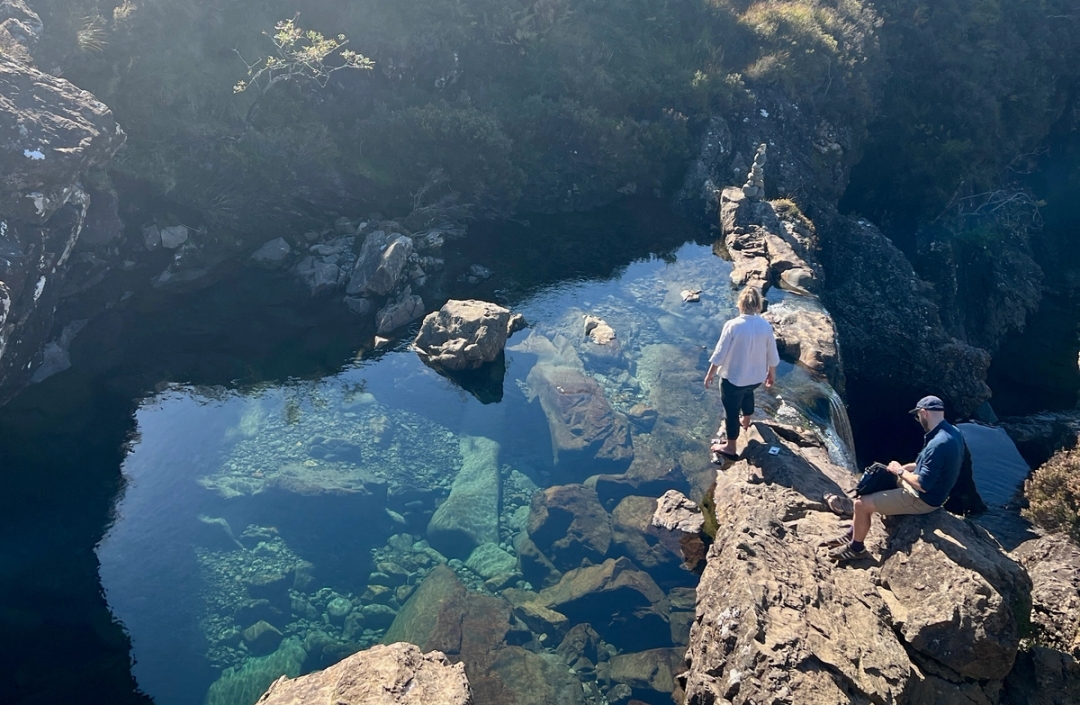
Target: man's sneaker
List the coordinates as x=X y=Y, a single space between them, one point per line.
x=845 y=553
x=837 y=541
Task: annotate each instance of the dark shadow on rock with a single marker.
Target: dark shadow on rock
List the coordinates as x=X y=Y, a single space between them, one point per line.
x=485 y=383
x=1007 y=527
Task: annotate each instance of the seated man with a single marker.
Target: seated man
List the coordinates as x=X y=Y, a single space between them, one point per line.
x=923 y=487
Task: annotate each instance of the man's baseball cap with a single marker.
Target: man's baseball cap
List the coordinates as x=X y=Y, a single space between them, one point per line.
x=930 y=403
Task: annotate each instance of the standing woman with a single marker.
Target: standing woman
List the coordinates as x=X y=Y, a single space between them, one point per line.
x=745 y=356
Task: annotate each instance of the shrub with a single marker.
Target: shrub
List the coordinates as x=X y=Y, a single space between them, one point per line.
x=1053 y=494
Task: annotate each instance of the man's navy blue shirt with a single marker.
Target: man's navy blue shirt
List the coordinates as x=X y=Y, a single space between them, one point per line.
x=938 y=464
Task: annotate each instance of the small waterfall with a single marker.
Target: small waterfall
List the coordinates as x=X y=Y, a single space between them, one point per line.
x=841 y=425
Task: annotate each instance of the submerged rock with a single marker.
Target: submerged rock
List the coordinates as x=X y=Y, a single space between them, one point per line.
x=488 y=561
x=569 y=526
x=464 y=335
x=398 y=674
x=586 y=432
x=622 y=603
x=247 y=683
x=272 y=254
x=470 y=515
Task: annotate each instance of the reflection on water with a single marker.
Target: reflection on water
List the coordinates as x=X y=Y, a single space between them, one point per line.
x=277 y=529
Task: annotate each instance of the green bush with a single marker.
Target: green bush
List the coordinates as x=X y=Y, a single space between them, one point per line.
x=1053 y=494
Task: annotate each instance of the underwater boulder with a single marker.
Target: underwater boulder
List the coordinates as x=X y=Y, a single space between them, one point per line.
x=568 y=525
x=470 y=515
x=262 y=638
x=246 y=683
x=624 y=605
x=587 y=434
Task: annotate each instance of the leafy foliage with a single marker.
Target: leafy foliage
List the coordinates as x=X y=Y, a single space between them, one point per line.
x=1053 y=494
x=300 y=55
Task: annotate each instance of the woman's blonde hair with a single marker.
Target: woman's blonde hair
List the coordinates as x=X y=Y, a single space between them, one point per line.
x=750 y=300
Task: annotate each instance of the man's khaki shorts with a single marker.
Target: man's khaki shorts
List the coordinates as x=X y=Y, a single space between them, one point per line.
x=899 y=501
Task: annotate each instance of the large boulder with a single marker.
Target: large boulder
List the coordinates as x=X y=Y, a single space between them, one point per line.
x=587 y=434
x=463 y=335
x=470 y=515
x=398 y=674
x=953 y=595
x=568 y=525
x=380 y=264
x=935 y=617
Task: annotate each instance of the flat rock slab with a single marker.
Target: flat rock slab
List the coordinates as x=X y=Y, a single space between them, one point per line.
x=470 y=515
x=587 y=434
x=568 y=525
x=398 y=674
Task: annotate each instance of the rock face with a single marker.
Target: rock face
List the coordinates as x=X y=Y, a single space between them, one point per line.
x=892 y=332
x=398 y=674
x=934 y=617
x=52 y=133
x=809 y=339
x=463 y=335
x=470 y=515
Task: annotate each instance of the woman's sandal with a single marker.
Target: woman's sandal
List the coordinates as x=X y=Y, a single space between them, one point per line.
x=837 y=504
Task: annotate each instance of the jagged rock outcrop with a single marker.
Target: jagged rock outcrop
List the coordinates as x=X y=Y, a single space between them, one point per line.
x=935 y=616
x=765 y=248
x=397 y=674
x=1038 y=436
x=464 y=335
x=51 y=134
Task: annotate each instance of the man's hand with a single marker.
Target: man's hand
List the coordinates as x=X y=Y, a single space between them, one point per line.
x=896 y=468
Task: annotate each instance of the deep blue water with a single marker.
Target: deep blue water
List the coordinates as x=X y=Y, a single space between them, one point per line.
x=203 y=440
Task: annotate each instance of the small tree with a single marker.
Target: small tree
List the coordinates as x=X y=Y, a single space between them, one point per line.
x=1053 y=494
x=299 y=55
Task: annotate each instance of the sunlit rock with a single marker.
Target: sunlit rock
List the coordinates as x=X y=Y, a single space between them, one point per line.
x=464 y=335
x=398 y=674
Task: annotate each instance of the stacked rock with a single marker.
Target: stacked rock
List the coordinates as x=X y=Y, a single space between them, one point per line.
x=754 y=188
